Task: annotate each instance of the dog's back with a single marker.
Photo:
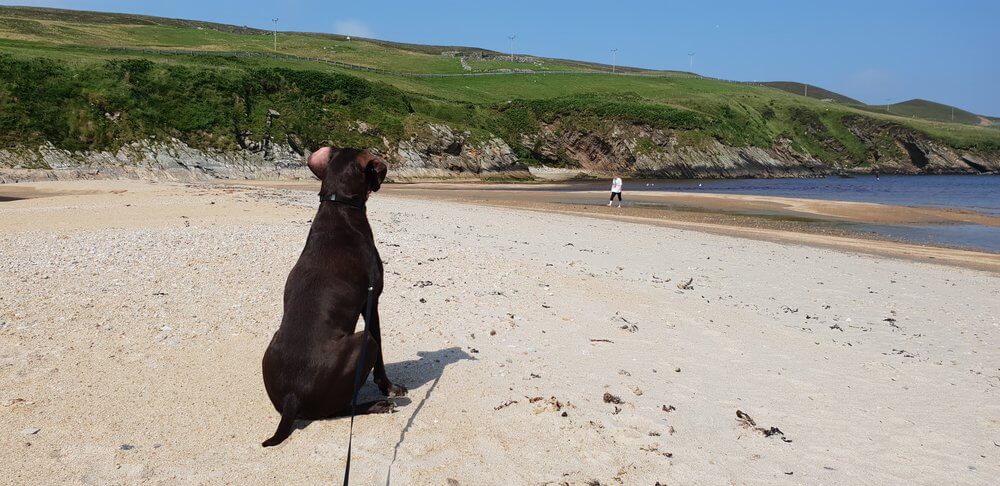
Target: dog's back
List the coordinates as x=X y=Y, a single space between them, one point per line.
x=309 y=364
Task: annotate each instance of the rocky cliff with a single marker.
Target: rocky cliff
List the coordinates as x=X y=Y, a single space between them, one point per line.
x=440 y=152
x=642 y=151
x=896 y=148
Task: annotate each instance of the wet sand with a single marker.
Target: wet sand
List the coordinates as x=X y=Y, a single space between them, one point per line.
x=818 y=223
x=789 y=208
x=133 y=320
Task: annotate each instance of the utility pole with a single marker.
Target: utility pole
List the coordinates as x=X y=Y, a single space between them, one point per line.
x=887 y=100
x=512 y=37
x=690 y=59
x=614 y=59
x=275 y=20
x=806 y=86
x=952 y=113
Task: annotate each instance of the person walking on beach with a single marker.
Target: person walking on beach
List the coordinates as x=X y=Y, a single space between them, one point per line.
x=616 y=190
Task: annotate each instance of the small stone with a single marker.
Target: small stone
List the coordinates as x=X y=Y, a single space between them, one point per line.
x=31 y=431
x=127 y=447
x=677 y=370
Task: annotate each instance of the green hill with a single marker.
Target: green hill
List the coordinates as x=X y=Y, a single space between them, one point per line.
x=811 y=91
x=916 y=108
x=117 y=31
x=95 y=81
x=930 y=110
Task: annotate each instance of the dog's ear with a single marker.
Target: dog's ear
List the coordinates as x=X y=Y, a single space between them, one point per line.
x=375 y=171
x=319 y=161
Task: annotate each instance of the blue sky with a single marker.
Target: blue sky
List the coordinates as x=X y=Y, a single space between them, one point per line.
x=872 y=50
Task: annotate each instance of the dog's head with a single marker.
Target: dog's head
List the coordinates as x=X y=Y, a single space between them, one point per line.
x=346 y=172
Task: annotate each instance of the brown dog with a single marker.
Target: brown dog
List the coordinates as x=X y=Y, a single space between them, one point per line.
x=309 y=367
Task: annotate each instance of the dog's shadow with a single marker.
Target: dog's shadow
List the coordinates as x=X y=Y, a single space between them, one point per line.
x=413 y=374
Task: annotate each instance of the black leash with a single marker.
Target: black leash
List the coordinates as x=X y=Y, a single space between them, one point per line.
x=357 y=369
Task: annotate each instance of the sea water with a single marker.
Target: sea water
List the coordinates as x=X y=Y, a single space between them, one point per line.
x=979 y=193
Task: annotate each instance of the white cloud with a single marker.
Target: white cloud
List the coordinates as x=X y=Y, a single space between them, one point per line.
x=353 y=27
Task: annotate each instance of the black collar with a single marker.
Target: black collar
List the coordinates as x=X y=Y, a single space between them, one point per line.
x=354 y=203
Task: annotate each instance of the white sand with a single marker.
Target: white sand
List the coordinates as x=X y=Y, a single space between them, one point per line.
x=132 y=326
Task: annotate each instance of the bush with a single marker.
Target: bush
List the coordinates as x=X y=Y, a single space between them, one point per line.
x=103 y=106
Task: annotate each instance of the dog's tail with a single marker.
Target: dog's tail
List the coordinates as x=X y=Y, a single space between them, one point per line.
x=289 y=410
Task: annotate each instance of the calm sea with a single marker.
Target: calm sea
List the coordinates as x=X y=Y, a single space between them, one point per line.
x=979 y=193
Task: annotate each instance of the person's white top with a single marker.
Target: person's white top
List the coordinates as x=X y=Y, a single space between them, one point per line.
x=616 y=184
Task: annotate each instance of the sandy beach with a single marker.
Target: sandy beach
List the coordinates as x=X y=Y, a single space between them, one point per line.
x=134 y=315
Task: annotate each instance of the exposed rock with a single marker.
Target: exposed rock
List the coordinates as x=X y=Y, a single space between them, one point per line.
x=443 y=153
x=150 y=159
x=440 y=152
x=898 y=148
x=642 y=151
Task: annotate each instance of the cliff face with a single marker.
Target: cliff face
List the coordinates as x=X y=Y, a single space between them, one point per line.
x=899 y=149
x=640 y=151
x=439 y=152
x=169 y=160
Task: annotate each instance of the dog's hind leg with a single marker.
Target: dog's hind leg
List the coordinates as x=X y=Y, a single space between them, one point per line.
x=345 y=366
x=385 y=386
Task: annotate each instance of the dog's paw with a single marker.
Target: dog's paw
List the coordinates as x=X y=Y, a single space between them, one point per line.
x=384 y=406
x=394 y=391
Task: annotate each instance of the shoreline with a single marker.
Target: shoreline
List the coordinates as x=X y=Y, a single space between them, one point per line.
x=811 y=222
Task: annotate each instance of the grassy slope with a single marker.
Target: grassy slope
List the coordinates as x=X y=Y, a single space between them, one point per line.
x=507 y=105
x=813 y=92
x=917 y=108
x=929 y=110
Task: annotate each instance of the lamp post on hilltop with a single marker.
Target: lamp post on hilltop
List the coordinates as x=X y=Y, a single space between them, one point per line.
x=275 y=20
x=614 y=59
x=512 y=37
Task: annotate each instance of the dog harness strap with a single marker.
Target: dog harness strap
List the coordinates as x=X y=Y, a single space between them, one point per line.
x=357 y=371
x=343 y=200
